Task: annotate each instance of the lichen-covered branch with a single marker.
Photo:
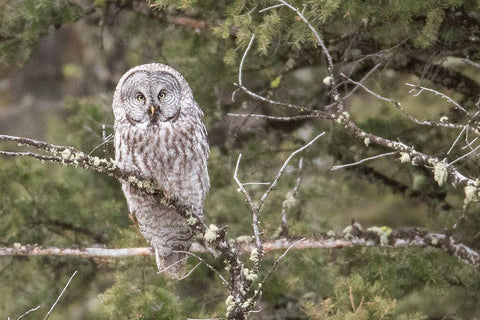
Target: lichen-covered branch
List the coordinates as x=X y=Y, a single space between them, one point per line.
x=352 y=237
x=213 y=235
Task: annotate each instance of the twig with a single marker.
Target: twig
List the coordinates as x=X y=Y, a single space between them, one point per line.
x=157 y=258
x=399 y=107
x=256 y=96
x=285 y=119
x=272 y=7
x=421 y=89
x=457 y=139
x=465 y=155
x=363 y=160
x=317 y=37
x=106 y=140
x=255 y=209
x=59 y=296
x=252 y=94
x=255 y=183
x=209 y=266
x=190 y=272
x=470 y=62
x=27 y=312
x=241 y=185
x=284 y=166
x=362 y=80
x=240 y=67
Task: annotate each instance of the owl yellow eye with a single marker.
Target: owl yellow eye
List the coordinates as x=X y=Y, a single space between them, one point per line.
x=139 y=96
x=162 y=95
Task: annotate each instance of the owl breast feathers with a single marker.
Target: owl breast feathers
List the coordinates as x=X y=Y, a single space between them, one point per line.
x=159 y=134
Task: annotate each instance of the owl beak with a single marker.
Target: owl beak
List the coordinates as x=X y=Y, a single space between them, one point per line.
x=152 y=110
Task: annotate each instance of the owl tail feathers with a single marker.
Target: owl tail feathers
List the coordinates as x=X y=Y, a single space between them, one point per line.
x=173 y=265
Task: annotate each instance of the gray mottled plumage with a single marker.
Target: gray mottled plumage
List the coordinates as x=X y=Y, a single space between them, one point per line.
x=159 y=134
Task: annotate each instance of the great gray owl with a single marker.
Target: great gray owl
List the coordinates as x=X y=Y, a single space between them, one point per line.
x=159 y=134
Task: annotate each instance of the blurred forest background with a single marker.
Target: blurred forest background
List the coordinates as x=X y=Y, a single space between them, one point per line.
x=60 y=61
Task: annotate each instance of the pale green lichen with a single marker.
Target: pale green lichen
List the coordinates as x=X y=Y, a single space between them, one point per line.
x=229 y=303
x=96 y=161
x=328 y=81
x=249 y=275
x=440 y=173
x=347 y=233
x=247 y=303
x=79 y=155
x=331 y=233
x=254 y=255
x=405 y=157
x=66 y=153
x=444 y=119
x=358 y=225
x=471 y=194
x=343 y=117
x=212 y=233
x=382 y=232
x=252 y=276
x=366 y=141
x=434 y=240
x=191 y=220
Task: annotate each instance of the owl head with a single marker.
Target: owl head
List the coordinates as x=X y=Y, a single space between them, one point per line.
x=152 y=94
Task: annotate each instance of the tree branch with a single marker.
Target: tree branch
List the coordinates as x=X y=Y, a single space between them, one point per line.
x=396 y=239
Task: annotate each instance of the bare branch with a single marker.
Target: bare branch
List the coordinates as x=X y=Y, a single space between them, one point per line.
x=317 y=37
x=275 y=264
x=253 y=207
x=27 y=312
x=282 y=169
x=472 y=63
x=363 y=160
x=285 y=119
x=465 y=155
x=209 y=266
x=399 y=107
x=190 y=272
x=362 y=80
x=240 y=67
x=241 y=185
x=421 y=89
x=59 y=296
